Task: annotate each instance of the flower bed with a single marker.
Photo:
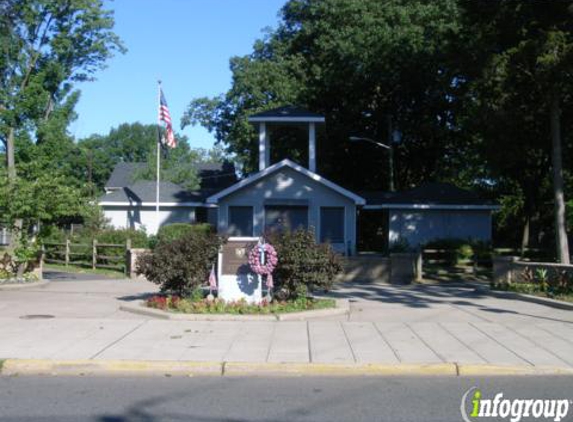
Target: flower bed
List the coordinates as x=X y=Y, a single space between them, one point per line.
x=535 y=289
x=241 y=307
x=26 y=278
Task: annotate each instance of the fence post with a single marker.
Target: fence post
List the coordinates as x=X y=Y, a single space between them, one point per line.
x=67 y=256
x=127 y=257
x=94 y=254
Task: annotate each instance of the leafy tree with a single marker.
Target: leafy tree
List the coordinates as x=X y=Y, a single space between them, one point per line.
x=357 y=62
x=137 y=142
x=38 y=198
x=524 y=52
x=47 y=45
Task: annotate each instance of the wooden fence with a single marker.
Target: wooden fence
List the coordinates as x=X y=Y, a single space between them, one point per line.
x=110 y=256
x=448 y=261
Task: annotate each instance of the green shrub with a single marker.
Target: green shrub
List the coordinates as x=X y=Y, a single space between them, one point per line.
x=119 y=236
x=459 y=250
x=302 y=264
x=176 y=231
x=181 y=266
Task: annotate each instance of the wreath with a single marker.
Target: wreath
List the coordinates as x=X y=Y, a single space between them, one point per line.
x=270 y=261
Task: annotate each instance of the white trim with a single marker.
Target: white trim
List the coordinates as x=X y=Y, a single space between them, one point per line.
x=152 y=204
x=287 y=119
x=431 y=207
x=286 y=163
x=312 y=147
x=243 y=238
x=263 y=147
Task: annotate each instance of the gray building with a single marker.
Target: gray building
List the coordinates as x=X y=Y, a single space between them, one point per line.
x=286 y=195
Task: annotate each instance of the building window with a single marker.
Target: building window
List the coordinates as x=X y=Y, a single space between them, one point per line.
x=332 y=224
x=280 y=218
x=240 y=221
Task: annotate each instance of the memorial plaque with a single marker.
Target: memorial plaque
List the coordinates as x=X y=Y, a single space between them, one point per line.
x=235 y=256
x=236 y=280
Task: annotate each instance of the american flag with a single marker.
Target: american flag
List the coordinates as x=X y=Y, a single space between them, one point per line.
x=165 y=117
x=212 y=279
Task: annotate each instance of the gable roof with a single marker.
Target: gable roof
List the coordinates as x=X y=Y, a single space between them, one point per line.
x=143 y=193
x=123 y=173
x=287 y=113
x=428 y=195
x=277 y=166
x=211 y=175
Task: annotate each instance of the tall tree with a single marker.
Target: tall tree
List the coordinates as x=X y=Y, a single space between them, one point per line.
x=356 y=61
x=137 y=142
x=527 y=53
x=49 y=44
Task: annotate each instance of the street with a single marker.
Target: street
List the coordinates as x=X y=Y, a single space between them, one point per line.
x=161 y=399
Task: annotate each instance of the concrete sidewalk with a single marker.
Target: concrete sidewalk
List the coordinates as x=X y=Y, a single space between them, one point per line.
x=528 y=345
x=387 y=325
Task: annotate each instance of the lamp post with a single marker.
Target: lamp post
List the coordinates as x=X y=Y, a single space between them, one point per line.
x=390 y=155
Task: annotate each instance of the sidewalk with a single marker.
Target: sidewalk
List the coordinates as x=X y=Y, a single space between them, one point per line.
x=544 y=344
x=392 y=326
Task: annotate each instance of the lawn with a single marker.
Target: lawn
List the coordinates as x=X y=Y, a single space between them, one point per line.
x=83 y=270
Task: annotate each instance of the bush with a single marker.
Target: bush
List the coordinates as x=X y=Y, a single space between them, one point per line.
x=459 y=250
x=119 y=236
x=181 y=266
x=302 y=264
x=176 y=231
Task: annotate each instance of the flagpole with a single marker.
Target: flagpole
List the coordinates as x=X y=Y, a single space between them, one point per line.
x=158 y=162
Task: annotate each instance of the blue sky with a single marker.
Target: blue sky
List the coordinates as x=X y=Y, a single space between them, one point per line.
x=185 y=43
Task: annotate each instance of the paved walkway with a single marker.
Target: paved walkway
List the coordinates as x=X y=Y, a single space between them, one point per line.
x=422 y=324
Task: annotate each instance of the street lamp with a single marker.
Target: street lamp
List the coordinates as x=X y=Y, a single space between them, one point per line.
x=390 y=155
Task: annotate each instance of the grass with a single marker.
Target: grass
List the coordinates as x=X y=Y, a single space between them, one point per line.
x=83 y=270
x=240 y=307
x=1 y=365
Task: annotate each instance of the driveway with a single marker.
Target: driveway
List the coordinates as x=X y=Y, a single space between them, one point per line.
x=441 y=303
x=76 y=296
x=87 y=298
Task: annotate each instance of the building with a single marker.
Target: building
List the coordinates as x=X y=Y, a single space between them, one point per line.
x=286 y=195
x=131 y=204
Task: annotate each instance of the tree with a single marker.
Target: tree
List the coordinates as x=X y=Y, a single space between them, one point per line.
x=356 y=61
x=526 y=51
x=136 y=142
x=47 y=45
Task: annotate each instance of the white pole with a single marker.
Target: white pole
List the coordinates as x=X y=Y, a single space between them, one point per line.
x=158 y=164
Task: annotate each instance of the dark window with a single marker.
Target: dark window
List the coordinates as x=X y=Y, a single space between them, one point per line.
x=279 y=218
x=201 y=215
x=332 y=224
x=240 y=221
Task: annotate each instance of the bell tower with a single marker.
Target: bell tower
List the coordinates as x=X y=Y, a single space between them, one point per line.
x=284 y=116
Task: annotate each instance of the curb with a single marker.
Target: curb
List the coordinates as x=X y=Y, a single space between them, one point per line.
x=31 y=367
x=342 y=308
x=14 y=367
x=20 y=286
x=557 y=304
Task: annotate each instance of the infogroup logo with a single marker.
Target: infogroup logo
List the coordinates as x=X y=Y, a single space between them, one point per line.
x=513 y=409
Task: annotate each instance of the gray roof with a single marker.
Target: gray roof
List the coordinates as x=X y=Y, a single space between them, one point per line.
x=144 y=191
x=215 y=176
x=432 y=193
x=122 y=174
x=291 y=113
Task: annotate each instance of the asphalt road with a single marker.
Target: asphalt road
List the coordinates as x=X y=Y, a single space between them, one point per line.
x=151 y=399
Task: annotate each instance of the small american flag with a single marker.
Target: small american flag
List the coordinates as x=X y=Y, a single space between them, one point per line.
x=165 y=117
x=212 y=279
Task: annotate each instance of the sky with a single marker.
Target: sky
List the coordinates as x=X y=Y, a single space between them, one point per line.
x=185 y=43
